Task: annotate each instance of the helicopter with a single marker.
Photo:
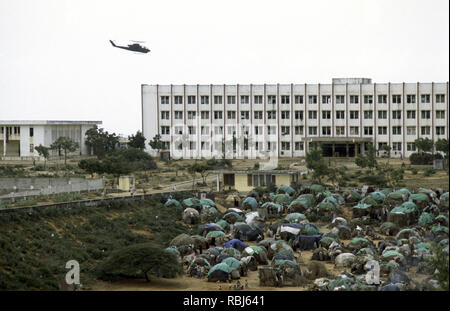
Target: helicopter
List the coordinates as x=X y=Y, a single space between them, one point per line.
x=135 y=47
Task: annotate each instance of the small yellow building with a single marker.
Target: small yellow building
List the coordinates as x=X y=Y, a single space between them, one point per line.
x=126 y=183
x=245 y=181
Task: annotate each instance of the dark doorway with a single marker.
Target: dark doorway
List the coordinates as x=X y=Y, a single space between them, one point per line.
x=351 y=150
x=327 y=150
x=340 y=150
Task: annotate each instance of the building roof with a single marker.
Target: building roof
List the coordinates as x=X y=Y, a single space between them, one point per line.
x=340 y=139
x=273 y=172
x=46 y=122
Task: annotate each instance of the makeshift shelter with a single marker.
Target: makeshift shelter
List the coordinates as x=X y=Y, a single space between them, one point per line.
x=389 y=228
x=250 y=203
x=302 y=203
x=232 y=217
x=360 y=210
x=307 y=242
x=258 y=252
x=233 y=252
x=220 y=272
x=284 y=254
x=174 y=203
x=182 y=239
x=269 y=276
x=286 y=189
x=245 y=232
x=444 y=201
x=192 y=203
x=352 y=196
x=295 y=217
x=190 y=216
x=272 y=208
x=277 y=246
x=420 y=199
x=205 y=228
x=223 y=224
x=235 y=243
x=404 y=215
x=426 y=219
x=208 y=202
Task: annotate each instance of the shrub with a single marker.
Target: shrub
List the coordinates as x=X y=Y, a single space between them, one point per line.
x=423 y=158
x=429 y=171
x=376 y=180
x=414 y=171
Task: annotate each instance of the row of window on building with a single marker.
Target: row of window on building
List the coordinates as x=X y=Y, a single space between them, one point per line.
x=299 y=99
x=299 y=114
x=14 y=129
x=272 y=146
x=299 y=130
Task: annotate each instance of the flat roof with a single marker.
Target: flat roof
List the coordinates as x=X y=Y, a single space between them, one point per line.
x=340 y=139
x=274 y=172
x=46 y=122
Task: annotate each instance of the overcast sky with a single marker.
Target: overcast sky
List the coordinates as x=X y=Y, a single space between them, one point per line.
x=56 y=62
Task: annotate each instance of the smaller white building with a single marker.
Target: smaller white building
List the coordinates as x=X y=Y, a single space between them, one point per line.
x=18 y=138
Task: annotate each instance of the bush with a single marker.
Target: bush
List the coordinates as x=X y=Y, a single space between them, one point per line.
x=429 y=171
x=414 y=171
x=423 y=158
x=376 y=180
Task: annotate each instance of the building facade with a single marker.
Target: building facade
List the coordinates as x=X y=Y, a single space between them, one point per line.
x=285 y=120
x=18 y=138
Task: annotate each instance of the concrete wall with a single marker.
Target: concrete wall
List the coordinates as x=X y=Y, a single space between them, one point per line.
x=282 y=180
x=241 y=183
x=17 y=187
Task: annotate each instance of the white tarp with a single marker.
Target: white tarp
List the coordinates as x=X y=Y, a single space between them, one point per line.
x=249 y=250
x=294 y=231
x=236 y=210
x=250 y=217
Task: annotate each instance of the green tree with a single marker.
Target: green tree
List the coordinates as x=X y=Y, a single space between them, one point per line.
x=91 y=166
x=440 y=262
x=64 y=143
x=137 y=141
x=43 y=152
x=442 y=146
x=156 y=143
x=101 y=142
x=368 y=159
x=140 y=261
x=424 y=144
x=315 y=162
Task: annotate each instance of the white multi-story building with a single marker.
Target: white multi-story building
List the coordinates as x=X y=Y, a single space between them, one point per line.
x=284 y=120
x=18 y=138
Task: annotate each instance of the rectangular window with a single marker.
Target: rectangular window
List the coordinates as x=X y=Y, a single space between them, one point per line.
x=382 y=114
x=354 y=99
x=178 y=100
x=31 y=148
x=231 y=115
x=218 y=130
x=192 y=145
x=191 y=115
x=191 y=130
x=396 y=99
x=245 y=115
x=312 y=99
x=396 y=130
x=440 y=114
x=354 y=130
x=426 y=114
x=298 y=99
x=178 y=115
x=31 y=132
x=178 y=130
x=271 y=130
x=340 y=114
x=440 y=130
x=354 y=114
x=312 y=114
x=285 y=99
x=231 y=130
x=205 y=115
x=299 y=146
x=382 y=99
x=368 y=99
x=204 y=100
x=165 y=130
x=340 y=130
x=326 y=114
x=411 y=99
x=440 y=98
x=425 y=130
x=425 y=98
x=164 y=100
x=285 y=115
x=382 y=130
x=205 y=145
x=326 y=130
x=204 y=130
x=258 y=115
x=258 y=130
x=231 y=100
x=340 y=99
x=245 y=99
x=410 y=114
x=368 y=130
x=396 y=114
x=218 y=115
x=410 y=146
x=410 y=130
x=326 y=99
x=217 y=100
x=397 y=146
x=272 y=99
x=258 y=99
x=312 y=130
x=272 y=115
x=368 y=114
x=165 y=115
x=191 y=100
x=285 y=146
x=298 y=115
x=299 y=130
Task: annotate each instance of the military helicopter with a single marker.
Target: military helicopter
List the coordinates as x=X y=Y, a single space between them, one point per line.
x=135 y=47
